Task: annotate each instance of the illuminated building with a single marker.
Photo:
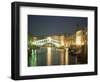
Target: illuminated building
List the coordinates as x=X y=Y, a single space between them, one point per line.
x=81 y=37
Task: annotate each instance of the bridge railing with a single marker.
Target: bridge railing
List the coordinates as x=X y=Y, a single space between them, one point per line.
x=45 y=41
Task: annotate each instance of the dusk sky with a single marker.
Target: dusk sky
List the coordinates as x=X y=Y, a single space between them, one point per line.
x=50 y=25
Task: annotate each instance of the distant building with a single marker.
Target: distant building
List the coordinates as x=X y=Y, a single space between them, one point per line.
x=81 y=37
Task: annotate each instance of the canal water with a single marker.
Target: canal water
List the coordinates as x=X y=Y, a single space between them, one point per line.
x=47 y=56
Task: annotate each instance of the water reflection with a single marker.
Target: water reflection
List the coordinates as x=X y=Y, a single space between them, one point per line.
x=66 y=56
x=32 y=58
x=48 y=56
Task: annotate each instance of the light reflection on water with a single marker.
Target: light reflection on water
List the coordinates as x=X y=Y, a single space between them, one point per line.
x=47 y=56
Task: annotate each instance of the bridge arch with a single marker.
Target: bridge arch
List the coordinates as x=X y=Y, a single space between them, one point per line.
x=47 y=41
